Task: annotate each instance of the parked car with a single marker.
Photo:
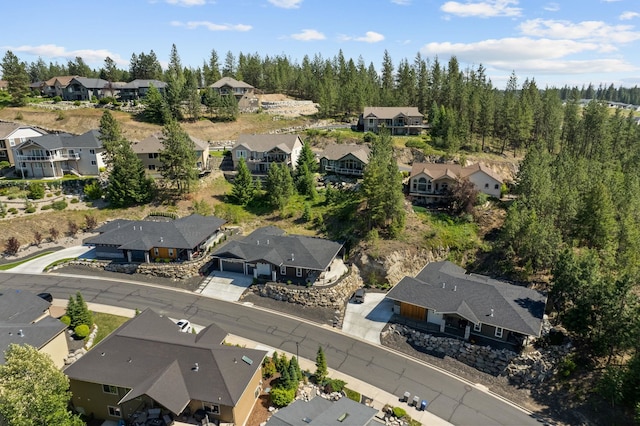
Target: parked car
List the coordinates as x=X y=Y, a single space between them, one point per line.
x=358 y=297
x=46 y=296
x=184 y=326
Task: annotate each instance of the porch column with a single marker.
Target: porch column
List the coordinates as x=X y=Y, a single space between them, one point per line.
x=146 y=256
x=129 y=256
x=220 y=261
x=189 y=255
x=273 y=275
x=255 y=272
x=442 y=325
x=244 y=268
x=467 y=332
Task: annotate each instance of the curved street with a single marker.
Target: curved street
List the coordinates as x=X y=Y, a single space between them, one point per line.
x=450 y=398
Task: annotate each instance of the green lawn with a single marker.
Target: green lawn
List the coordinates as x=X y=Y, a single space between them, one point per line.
x=106 y=323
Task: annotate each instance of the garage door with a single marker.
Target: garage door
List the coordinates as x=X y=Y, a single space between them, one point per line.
x=264 y=269
x=233 y=266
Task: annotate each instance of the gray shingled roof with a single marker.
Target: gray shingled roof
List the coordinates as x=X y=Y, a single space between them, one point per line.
x=322 y=412
x=140 y=82
x=391 y=112
x=20 y=307
x=34 y=334
x=53 y=141
x=447 y=288
x=338 y=150
x=183 y=233
x=149 y=355
x=263 y=143
x=439 y=170
x=153 y=144
x=92 y=83
x=232 y=82
x=272 y=245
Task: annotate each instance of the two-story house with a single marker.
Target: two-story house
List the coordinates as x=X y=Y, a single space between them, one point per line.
x=12 y=134
x=83 y=89
x=53 y=155
x=55 y=86
x=430 y=182
x=150 y=149
x=230 y=86
x=344 y=159
x=260 y=151
x=138 y=88
x=397 y=120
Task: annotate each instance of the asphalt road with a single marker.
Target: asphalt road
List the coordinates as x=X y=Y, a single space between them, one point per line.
x=451 y=399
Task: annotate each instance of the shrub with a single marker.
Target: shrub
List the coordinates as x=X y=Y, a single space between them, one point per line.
x=19 y=116
x=60 y=116
x=268 y=368
x=54 y=234
x=77 y=103
x=399 y=412
x=93 y=191
x=281 y=397
x=415 y=143
x=66 y=320
x=90 y=222
x=82 y=331
x=335 y=385
x=46 y=207
x=37 y=238
x=49 y=195
x=72 y=228
x=57 y=99
x=11 y=246
x=369 y=137
x=13 y=210
x=30 y=209
x=59 y=205
x=74 y=201
x=352 y=395
x=94 y=99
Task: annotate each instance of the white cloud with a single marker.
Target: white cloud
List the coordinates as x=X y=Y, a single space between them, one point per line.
x=94 y=56
x=482 y=9
x=192 y=25
x=402 y=2
x=596 y=31
x=370 y=37
x=625 y=16
x=552 y=7
x=187 y=3
x=308 y=35
x=286 y=4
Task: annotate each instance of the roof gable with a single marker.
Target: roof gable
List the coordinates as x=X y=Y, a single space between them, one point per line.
x=264 y=143
x=391 y=112
x=339 y=151
x=231 y=82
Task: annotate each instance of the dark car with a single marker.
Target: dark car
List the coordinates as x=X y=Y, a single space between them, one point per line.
x=46 y=296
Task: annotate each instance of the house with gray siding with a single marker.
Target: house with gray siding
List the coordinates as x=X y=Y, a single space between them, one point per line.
x=344 y=159
x=397 y=120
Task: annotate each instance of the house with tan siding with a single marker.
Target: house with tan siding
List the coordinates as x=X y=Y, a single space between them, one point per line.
x=397 y=120
x=260 y=151
x=12 y=134
x=149 y=151
x=344 y=159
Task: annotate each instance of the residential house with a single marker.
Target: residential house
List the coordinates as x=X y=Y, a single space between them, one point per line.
x=344 y=159
x=146 y=240
x=230 y=86
x=12 y=134
x=429 y=182
x=138 y=88
x=25 y=319
x=149 y=151
x=4 y=85
x=269 y=252
x=53 y=155
x=84 y=89
x=444 y=298
x=397 y=120
x=55 y=86
x=324 y=412
x=260 y=151
x=148 y=370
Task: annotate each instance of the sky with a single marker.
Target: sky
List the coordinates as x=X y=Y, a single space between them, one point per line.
x=557 y=43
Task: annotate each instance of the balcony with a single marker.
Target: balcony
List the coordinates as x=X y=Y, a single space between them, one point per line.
x=344 y=170
x=38 y=157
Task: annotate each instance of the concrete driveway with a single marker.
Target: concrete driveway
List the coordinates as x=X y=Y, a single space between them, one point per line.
x=37 y=265
x=227 y=286
x=366 y=320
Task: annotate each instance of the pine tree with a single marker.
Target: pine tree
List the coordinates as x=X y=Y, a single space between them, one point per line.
x=321 y=366
x=178 y=157
x=110 y=135
x=17 y=77
x=296 y=367
x=83 y=315
x=72 y=310
x=128 y=182
x=156 y=110
x=279 y=186
x=244 y=187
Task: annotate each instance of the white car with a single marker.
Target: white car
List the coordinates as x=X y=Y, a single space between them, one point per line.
x=184 y=326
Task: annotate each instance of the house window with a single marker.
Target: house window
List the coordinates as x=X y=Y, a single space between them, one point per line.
x=110 y=389
x=92 y=151
x=298 y=272
x=93 y=162
x=477 y=327
x=486 y=185
x=170 y=252
x=152 y=166
x=114 y=411
x=213 y=408
x=499 y=332
x=156 y=252
x=241 y=153
x=422 y=184
x=283 y=270
x=496 y=186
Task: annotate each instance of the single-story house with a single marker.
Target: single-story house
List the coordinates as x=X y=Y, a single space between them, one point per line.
x=444 y=298
x=397 y=120
x=150 y=149
x=323 y=412
x=25 y=319
x=269 y=252
x=260 y=151
x=147 y=369
x=429 y=182
x=344 y=159
x=12 y=134
x=53 y=155
x=147 y=240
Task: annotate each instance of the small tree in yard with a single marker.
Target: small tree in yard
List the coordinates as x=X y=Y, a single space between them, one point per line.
x=321 y=366
x=37 y=238
x=54 y=234
x=72 y=228
x=78 y=312
x=244 y=187
x=90 y=222
x=12 y=246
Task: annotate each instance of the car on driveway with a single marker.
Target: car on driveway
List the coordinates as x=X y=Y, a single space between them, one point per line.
x=46 y=296
x=184 y=326
x=358 y=297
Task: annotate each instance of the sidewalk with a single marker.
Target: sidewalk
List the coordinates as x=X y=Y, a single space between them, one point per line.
x=379 y=397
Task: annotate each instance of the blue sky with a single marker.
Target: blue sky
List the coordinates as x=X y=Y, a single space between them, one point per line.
x=558 y=42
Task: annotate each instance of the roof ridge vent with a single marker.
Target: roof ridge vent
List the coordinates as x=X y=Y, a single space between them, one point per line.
x=444 y=285
x=196 y=367
x=491 y=314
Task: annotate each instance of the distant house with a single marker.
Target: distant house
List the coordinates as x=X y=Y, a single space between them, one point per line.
x=149 y=150
x=344 y=159
x=269 y=252
x=138 y=88
x=323 y=412
x=4 y=85
x=397 y=120
x=53 y=155
x=444 y=298
x=84 y=89
x=149 y=373
x=25 y=320
x=146 y=240
x=260 y=151
x=12 y=134
x=429 y=182
x=243 y=92
x=55 y=86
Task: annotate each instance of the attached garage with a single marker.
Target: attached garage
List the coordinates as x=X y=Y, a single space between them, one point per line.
x=263 y=269
x=106 y=252
x=230 y=266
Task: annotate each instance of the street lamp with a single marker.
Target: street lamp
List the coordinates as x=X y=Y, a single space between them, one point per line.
x=297 y=356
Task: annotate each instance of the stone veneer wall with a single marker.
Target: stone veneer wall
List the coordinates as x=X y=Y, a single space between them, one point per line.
x=331 y=296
